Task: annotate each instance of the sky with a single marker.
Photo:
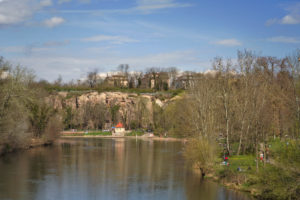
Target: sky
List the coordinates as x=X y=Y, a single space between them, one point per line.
x=72 y=37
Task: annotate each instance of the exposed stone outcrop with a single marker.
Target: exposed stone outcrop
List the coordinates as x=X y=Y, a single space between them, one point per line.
x=129 y=103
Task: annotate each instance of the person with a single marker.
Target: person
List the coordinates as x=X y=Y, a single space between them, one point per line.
x=226 y=160
x=261 y=156
x=267 y=154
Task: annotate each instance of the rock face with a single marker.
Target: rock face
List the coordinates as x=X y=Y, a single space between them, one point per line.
x=62 y=99
x=131 y=105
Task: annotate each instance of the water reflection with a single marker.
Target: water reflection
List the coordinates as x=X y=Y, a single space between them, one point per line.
x=105 y=169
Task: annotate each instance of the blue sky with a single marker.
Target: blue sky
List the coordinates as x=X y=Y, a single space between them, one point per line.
x=71 y=37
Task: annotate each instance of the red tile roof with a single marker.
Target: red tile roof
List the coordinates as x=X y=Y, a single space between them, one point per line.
x=119 y=125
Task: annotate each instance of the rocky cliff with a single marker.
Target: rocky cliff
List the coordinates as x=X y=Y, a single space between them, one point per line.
x=131 y=107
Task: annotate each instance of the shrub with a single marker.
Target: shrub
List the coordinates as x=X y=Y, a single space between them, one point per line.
x=200 y=153
x=53 y=128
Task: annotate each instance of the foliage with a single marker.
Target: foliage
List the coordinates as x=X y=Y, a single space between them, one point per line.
x=138 y=132
x=113 y=111
x=276 y=179
x=40 y=114
x=276 y=183
x=53 y=128
x=200 y=153
x=286 y=152
x=23 y=111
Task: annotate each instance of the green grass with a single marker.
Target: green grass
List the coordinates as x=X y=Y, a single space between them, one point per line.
x=278 y=180
x=75 y=134
x=244 y=162
x=136 y=132
x=98 y=133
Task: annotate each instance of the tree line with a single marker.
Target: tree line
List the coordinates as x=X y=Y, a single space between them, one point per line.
x=23 y=112
x=245 y=103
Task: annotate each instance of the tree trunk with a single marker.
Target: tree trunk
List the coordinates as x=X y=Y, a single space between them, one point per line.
x=241 y=137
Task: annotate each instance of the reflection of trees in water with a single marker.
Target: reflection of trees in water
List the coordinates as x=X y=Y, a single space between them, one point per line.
x=124 y=166
x=22 y=173
x=198 y=189
x=102 y=169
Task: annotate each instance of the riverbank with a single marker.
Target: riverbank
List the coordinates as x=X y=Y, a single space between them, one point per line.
x=273 y=175
x=32 y=143
x=94 y=168
x=275 y=178
x=131 y=137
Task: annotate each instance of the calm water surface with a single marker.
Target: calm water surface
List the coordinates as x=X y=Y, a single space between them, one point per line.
x=105 y=169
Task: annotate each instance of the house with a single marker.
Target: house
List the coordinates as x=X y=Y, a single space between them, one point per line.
x=147 y=81
x=156 y=80
x=119 y=130
x=187 y=80
x=4 y=74
x=117 y=80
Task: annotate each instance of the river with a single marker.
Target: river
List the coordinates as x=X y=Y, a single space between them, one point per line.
x=115 y=168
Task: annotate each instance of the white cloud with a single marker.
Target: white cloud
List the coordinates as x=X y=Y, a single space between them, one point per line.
x=45 y=3
x=141 y=7
x=290 y=19
x=186 y=58
x=84 y=1
x=271 y=21
x=283 y=39
x=50 y=65
x=17 y=11
x=109 y=38
x=228 y=42
x=63 y=1
x=12 y=49
x=151 y=5
x=35 y=48
x=54 y=21
x=56 y=43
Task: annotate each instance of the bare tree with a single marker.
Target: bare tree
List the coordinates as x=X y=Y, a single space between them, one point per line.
x=92 y=78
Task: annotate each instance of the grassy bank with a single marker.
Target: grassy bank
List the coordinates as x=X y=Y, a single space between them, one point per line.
x=89 y=133
x=277 y=177
x=136 y=133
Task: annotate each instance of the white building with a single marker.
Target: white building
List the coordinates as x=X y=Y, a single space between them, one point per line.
x=119 y=130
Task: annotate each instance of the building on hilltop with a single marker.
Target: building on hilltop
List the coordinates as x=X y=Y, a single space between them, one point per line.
x=157 y=80
x=4 y=74
x=117 y=81
x=187 y=80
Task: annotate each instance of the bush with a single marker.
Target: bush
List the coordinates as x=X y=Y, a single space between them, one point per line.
x=276 y=183
x=53 y=128
x=287 y=152
x=200 y=153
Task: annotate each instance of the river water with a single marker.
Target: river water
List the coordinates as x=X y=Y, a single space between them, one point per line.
x=115 y=168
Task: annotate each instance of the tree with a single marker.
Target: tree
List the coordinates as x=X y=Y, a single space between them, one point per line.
x=14 y=94
x=23 y=110
x=201 y=153
x=142 y=112
x=94 y=115
x=172 y=73
x=123 y=68
x=40 y=114
x=92 y=78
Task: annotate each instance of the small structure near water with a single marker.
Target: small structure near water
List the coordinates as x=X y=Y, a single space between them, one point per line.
x=118 y=130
